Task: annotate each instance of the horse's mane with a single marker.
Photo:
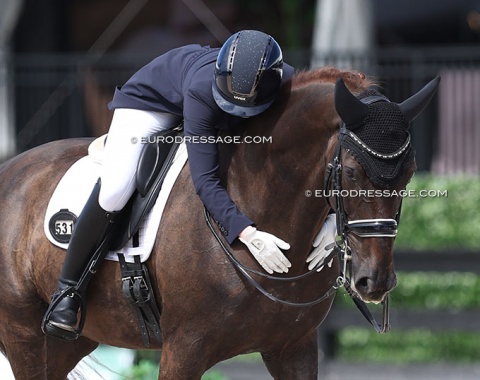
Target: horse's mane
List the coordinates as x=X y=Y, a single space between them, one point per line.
x=355 y=81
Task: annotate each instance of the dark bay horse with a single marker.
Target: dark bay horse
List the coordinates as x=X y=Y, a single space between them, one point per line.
x=209 y=312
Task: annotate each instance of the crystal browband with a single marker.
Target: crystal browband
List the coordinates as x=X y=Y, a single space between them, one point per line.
x=374 y=153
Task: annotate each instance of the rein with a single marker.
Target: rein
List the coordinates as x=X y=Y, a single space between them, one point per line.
x=245 y=271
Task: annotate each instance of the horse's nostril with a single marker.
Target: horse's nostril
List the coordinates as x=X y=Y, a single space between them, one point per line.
x=362 y=283
x=372 y=291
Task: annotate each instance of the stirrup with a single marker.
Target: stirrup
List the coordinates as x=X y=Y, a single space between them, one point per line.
x=53 y=329
x=59 y=330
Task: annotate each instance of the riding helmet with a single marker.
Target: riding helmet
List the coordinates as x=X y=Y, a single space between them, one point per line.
x=248 y=73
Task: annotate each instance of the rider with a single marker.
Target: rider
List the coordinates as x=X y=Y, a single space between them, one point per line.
x=209 y=88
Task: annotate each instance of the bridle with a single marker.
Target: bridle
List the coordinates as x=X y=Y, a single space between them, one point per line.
x=365 y=228
x=333 y=178
x=362 y=227
x=378 y=227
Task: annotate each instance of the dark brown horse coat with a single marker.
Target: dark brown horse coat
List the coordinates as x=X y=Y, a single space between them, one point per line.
x=208 y=312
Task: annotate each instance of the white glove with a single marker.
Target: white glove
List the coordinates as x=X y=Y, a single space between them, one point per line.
x=325 y=237
x=265 y=248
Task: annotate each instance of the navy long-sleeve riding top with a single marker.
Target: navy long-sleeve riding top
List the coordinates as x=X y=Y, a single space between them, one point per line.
x=180 y=82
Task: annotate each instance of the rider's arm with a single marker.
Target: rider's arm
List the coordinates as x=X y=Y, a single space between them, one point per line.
x=199 y=117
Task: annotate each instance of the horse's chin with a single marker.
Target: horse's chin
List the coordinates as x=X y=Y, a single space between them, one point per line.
x=374 y=302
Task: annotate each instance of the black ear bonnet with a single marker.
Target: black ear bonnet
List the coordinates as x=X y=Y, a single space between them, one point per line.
x=375 y=130
x=380 y=142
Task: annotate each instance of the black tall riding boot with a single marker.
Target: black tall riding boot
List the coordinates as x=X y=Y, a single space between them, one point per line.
x=91 y=228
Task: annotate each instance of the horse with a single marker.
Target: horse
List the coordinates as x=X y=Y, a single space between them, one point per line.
x=210 y=311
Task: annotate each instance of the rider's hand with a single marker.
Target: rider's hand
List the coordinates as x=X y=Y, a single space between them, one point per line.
x=325 y=237
x=265 y=248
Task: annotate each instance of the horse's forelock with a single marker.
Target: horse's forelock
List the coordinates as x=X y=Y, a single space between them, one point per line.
x=355 y=81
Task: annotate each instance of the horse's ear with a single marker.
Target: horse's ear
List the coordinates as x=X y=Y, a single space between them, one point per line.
x=413 y=106
x=350 y=109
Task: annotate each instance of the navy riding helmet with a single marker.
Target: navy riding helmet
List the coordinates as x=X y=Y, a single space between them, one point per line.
x=248 y=73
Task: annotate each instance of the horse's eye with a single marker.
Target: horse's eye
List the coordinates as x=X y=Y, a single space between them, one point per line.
x=349 y=172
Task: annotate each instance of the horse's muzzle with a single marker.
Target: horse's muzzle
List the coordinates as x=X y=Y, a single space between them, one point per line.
x=372 y=287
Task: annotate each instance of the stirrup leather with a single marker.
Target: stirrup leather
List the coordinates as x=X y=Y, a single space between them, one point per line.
x=137 y=288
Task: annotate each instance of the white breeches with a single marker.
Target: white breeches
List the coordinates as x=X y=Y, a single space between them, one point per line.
x=122 y=152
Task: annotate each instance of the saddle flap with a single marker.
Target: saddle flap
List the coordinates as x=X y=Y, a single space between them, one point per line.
x=152 y=158
x=157 y=158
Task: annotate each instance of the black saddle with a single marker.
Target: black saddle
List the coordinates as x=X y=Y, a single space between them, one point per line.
x=155 y=161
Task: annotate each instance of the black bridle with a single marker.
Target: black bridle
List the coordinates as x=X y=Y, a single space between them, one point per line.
x=365 y=228
x=378 y=227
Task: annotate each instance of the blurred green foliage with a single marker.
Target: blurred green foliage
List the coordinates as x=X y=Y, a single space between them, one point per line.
x=451 y=290
x=412 y=346
x=145 y=369
x=148 y=370
x=441 y=222
x=421 y=290
x=430 y=223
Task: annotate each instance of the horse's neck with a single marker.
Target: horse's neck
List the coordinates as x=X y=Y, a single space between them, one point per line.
x=270 y=181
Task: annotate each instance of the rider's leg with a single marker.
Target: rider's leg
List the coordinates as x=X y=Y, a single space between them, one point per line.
x=122 y=152
x=117 y=175
x=91 y=227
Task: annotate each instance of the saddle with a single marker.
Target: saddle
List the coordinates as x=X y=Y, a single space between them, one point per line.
x=155 y=161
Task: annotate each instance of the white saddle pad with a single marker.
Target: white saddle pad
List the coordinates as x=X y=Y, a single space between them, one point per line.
x=76 y=185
